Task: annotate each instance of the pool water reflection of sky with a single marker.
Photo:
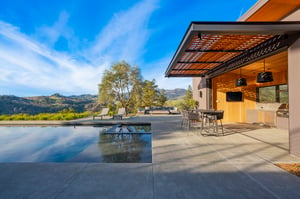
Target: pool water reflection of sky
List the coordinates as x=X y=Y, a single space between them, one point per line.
x=69 y=144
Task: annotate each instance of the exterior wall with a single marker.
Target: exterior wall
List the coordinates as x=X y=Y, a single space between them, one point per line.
x=295 y=16
x=201 y=92
x=195 y=87
x=294 y=96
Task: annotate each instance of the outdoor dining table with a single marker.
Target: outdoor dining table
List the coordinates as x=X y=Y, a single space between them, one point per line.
x=210 y=116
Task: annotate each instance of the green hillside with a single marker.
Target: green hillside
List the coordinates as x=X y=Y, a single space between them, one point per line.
x=10 y=104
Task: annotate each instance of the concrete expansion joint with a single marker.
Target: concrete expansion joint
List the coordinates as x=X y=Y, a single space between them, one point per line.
x=69 y=181
x=244 y=173
x=153 y=183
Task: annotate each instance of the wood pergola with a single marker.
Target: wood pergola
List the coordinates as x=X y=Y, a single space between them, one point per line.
x=213 y=48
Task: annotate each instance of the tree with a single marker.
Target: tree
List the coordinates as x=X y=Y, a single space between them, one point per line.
x=188 y=101
x=162 y=98
x=151 y=96
x=121 y=82
x=150 y=93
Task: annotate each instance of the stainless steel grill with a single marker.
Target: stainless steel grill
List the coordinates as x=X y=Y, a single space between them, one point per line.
x=283 y=111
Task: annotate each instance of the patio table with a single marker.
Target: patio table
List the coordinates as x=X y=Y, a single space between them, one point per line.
x=210 y=116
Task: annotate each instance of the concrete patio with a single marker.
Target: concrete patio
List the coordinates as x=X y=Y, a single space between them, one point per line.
x=185 y=165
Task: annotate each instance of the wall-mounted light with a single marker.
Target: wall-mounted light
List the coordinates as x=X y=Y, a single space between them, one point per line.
x=265 y=76
x=240 y=81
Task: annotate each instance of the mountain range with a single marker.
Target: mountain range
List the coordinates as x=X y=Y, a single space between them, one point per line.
x=10 y=104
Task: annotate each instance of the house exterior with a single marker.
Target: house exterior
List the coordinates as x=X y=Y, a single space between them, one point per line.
x=249 y=68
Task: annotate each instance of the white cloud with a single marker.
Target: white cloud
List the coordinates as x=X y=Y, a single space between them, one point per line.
x=26 y=61
x=51 y=34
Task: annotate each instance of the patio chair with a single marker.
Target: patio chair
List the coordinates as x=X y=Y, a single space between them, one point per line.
x=219 y=116
x=184 y=120
x=104 y=112
x=120 y=113
x=194 y=120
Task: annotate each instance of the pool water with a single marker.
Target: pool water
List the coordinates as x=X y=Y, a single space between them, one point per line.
x=73 y=144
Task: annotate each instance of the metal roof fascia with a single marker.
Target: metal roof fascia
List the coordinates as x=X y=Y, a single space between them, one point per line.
x=273 y=28
x=184 y=42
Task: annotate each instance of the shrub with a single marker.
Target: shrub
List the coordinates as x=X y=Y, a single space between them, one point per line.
x=45 y=116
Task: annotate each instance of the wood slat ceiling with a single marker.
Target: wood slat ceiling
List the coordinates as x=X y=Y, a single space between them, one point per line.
x=211 y=50
x=276 y=63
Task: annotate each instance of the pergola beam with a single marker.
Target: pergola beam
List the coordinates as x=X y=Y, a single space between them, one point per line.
x=214 y=51
x=192 y=69
x=200 y=62
x=186 y=75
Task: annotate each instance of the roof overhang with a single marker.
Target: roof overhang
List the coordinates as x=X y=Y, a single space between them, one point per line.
x=270 y=10
x=213 y=48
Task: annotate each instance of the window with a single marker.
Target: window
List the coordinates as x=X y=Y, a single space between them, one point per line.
x=267 y=94
x=283 y=94
x=272 y=94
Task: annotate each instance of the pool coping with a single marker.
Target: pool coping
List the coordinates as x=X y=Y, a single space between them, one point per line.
x=69 y=123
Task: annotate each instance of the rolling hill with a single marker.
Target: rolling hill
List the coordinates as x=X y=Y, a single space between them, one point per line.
x=10 y=104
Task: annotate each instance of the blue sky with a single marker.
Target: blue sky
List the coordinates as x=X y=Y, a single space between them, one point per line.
x=63 y=46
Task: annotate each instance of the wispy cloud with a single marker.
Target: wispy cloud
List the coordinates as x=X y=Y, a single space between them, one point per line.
x=28 y=60
x=25 y=61
x=125 y=35
x=50 y=34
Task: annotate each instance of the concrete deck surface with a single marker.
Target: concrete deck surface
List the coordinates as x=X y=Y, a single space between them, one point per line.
x=185 y=165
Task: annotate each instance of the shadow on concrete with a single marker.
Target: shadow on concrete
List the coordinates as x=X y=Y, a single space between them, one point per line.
x=132 y=181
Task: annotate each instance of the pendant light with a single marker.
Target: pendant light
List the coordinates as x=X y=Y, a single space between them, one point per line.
x=265 y=76
x=240 y=81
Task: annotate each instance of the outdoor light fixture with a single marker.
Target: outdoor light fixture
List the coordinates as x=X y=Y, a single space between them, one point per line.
x=264 y=76
x=199 y=35
x=240 y=81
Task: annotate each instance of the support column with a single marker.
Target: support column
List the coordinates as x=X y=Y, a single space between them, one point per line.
x=294 y=97
x=202 y=92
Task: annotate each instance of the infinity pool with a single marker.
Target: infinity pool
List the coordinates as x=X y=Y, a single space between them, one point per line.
x=74 y=144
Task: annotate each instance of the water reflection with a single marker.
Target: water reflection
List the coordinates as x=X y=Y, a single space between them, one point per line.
x=119 y=128
x=69 y=144
x=120 y=147
x=44 y=144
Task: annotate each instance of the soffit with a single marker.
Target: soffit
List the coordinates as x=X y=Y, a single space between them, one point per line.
x=274 y=10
